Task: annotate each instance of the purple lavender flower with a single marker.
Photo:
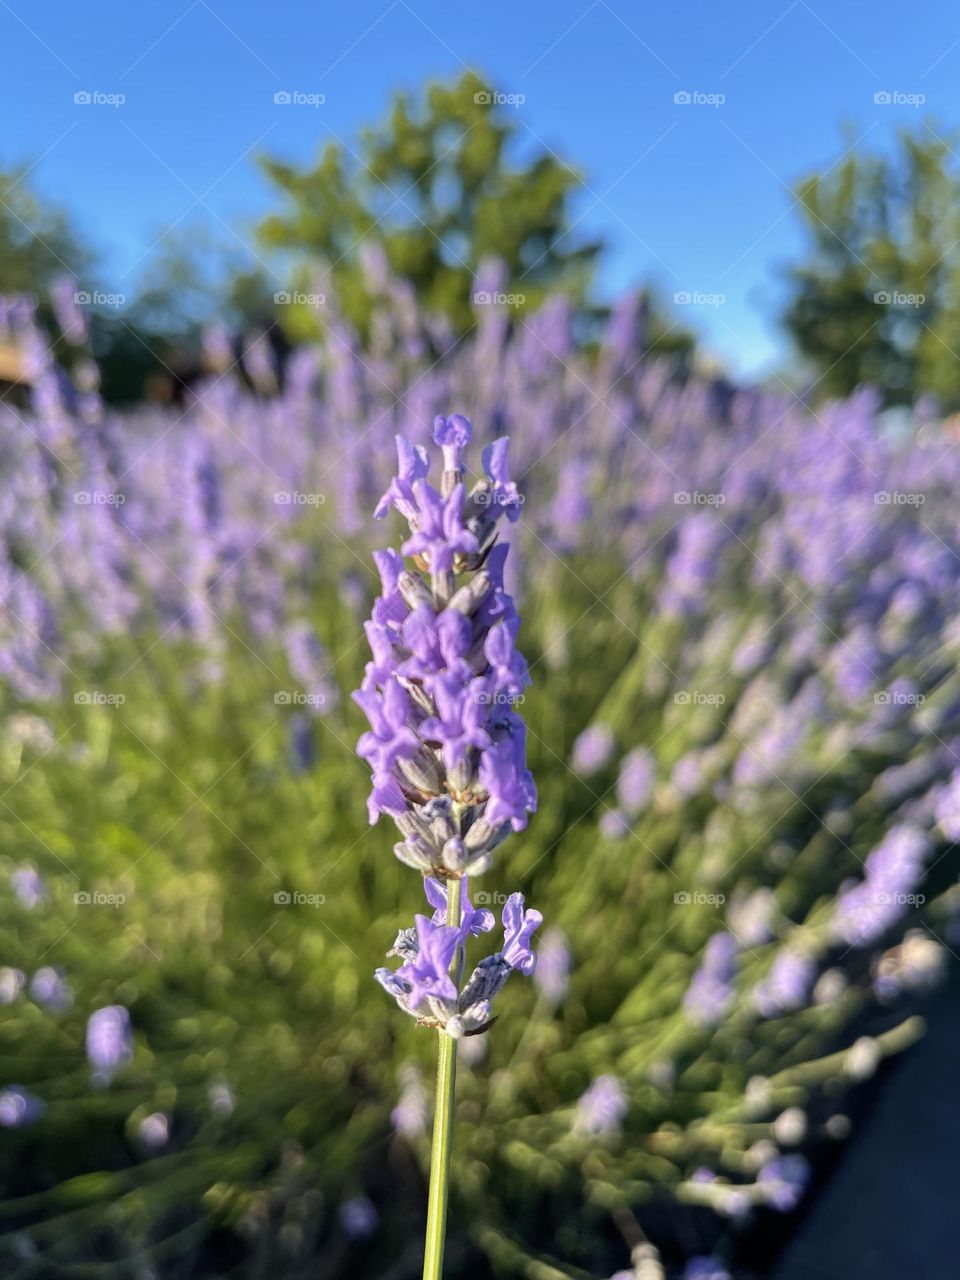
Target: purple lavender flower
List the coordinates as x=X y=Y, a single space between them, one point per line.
x=783 y=1181
x=154 y=1131
x=28 y=885
x=446 y=749
x=602 y=1108
x=636 y=780
x=423 y=985
x=518 y=928
x=18 y=1107
x=614 y=824
x=711 y=988
x=552 y=972
x=109 y=1042
x=49 y=988
x=787 y=986
x=359 y=1218
x=592 y=750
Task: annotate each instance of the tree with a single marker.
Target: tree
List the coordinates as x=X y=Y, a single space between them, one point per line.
x=38 y=241
x=440 y=188
x=877 y=297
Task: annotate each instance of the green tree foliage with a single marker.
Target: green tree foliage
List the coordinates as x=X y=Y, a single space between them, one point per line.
x=440 y=186
x=38 y=241
x=877 y=297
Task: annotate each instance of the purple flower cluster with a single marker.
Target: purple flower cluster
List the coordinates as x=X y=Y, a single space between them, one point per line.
x=446 y=746
x=711 y=988
x=423 y=985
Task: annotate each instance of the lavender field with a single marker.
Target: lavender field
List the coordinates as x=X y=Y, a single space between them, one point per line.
x=739 y=617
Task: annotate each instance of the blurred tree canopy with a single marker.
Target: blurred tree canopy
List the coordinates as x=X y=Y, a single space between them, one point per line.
x=438 y=187
x=877 y=297
x=38 y=241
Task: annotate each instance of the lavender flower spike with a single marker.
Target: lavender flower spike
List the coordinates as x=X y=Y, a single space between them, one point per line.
x=447 y=751
x=446 y=746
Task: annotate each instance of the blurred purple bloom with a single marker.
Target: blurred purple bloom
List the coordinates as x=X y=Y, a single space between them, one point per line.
x=49 y=988
x=788 y=984
x=109 y=1042
x=636 y=780
x=602 y=1108
x=711 y=988
x=28 y=885
x=592 y=750
x=784 y=1181
x=358 y=1218
x=552 y=972
x=18 y=1107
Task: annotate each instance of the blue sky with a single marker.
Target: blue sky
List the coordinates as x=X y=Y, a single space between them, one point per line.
x=694 y=197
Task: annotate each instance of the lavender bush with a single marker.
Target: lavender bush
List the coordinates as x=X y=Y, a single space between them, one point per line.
x=739 y=624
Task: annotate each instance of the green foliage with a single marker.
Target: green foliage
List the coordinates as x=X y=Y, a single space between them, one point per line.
x=38 y=240
x=440 y=187
x=876 y=299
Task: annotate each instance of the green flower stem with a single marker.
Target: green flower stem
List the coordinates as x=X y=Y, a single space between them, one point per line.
x=442 y=1126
